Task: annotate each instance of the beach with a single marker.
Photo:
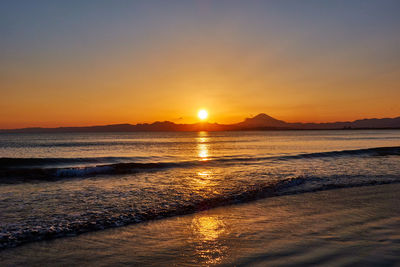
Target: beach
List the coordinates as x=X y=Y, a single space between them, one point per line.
x=352 y=226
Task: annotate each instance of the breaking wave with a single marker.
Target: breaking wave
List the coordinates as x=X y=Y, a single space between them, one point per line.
x=16 y=235
x=16 y=170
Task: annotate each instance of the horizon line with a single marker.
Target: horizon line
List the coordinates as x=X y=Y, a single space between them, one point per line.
x=195 y=123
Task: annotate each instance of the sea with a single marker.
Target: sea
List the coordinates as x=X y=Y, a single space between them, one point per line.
x=60 y=187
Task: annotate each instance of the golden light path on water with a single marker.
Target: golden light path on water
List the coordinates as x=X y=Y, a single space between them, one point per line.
x=207 y=229
x=202 y=145
x=203 y=182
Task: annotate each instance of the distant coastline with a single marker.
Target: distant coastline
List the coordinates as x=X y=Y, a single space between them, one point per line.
x=260 y=122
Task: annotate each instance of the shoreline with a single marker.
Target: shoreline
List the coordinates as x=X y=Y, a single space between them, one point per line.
x=274 y=230
x=261 y=194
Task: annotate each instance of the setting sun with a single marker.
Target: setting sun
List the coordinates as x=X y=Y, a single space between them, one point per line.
x=202 y=114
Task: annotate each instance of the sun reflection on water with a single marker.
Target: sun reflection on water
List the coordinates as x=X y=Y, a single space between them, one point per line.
x=202 y=151
x=202 y=146
x=203 y=183
x=208 y=227
x=203 y=178
x=207 y=231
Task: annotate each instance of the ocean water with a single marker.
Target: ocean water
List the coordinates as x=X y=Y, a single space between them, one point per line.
x=62 y=185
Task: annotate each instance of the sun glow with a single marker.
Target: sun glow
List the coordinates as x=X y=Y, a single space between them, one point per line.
x=202 y=114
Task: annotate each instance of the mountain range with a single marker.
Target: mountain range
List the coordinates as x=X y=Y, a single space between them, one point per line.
x=260 y=122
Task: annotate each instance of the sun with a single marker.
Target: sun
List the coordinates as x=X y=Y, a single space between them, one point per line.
x=202 y=114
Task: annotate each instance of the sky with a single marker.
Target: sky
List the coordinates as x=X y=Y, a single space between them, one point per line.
x=75 y=63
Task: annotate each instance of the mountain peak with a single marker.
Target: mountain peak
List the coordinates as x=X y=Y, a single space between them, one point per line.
x=262 y=120
x=262 y=116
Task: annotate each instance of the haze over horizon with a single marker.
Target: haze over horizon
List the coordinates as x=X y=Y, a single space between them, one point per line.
x=261 y=121
x=98 y=62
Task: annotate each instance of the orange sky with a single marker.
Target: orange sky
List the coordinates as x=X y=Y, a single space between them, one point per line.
x=92 y=65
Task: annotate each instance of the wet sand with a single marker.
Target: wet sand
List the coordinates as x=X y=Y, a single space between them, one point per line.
x=349 y=226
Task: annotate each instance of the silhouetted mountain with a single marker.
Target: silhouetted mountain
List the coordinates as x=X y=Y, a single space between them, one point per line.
x=260 y=122
x=386 y=123
x=377 y=123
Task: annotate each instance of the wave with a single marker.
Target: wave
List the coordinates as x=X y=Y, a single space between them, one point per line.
x=15 y=170
x=16 y=175
x=298 y=185
x=40 y=162
x=372 y=152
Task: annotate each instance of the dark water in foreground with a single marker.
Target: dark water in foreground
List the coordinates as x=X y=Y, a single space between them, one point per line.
x=356 y=226
x=55 y=185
